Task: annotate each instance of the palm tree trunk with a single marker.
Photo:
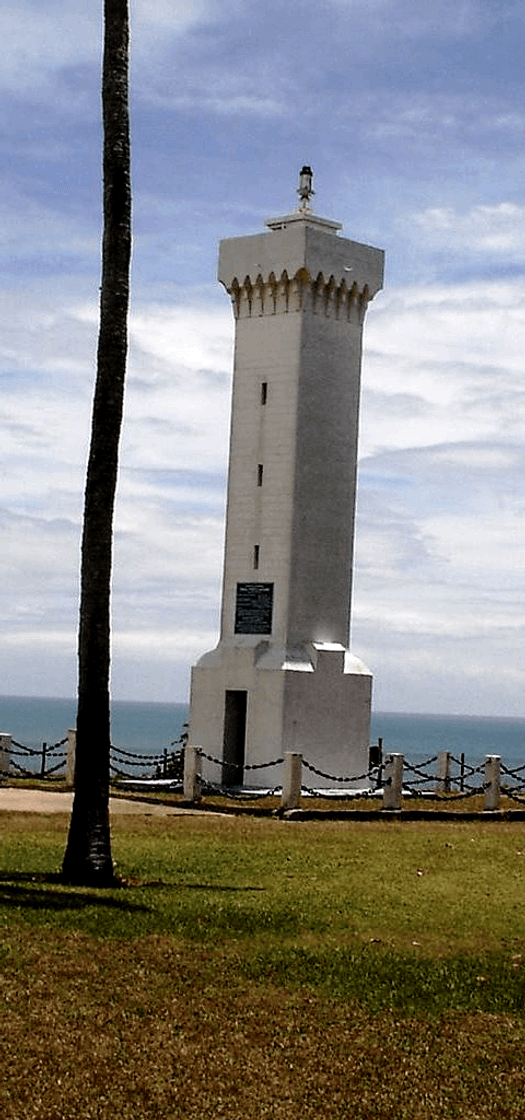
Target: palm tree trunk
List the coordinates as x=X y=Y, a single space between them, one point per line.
x=87 y=858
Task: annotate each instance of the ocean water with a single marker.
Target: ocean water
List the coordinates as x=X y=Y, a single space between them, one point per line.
x=135 y=726
x=419 y=737
x=150 y=728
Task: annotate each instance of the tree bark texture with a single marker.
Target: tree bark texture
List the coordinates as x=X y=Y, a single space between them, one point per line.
x=87 y=858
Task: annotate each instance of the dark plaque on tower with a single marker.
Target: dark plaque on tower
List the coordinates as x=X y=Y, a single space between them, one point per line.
x=253 y=609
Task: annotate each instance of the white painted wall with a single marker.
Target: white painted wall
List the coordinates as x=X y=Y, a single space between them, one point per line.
x=299 y=294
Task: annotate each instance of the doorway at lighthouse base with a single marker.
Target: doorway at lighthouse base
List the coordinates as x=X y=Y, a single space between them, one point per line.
x=250 y=704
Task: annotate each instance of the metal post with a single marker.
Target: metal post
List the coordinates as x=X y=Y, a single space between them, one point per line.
x=393 y=784
x=292 y=774
x=462 y=773
x=492 y=782
x=443 y=772
x=165 y=763
x=43 y=763
x=192 y=774
x=71 y=755
x=5 y=755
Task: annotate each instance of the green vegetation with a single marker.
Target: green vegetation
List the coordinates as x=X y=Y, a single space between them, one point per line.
x=259 y=968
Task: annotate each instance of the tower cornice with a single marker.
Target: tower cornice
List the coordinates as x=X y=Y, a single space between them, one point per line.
x=288 y=294
x=301 y=249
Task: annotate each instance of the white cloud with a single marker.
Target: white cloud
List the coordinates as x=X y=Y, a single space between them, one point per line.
x=485 y=548
x=41 y=37
x=45 y=232
x=488 y=230
x=444 y=365
x=441 y=526
x=227 y=101
x=170 y=506
x=185 y=336
x=174 y=16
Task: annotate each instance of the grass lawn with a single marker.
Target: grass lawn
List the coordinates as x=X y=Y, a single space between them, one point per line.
x=254 y=968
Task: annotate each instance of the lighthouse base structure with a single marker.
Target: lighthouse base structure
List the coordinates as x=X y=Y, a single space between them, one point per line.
x=252 y=703
x=281 y=678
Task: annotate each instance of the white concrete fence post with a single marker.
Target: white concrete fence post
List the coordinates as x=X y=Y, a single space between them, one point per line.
x=492 y=782
x=443 y=772
x=71 y=749
x=192 y=774
x=292 y=780
x=393 y=781
x=5 y=755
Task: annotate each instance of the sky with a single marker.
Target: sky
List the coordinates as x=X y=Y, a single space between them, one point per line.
x=411 y=116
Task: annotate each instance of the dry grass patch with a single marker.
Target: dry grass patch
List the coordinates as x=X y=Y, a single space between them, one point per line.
x=262 y=969
x=151 y=1029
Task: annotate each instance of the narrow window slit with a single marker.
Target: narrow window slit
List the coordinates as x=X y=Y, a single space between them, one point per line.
x=260 y=469
x=256 y=556
x=264 y=392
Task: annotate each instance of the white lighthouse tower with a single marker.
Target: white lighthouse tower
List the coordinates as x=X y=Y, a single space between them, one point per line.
x=282 y=677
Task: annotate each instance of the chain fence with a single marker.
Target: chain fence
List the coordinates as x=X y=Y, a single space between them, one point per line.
x=47 y=761
x=442 y=775
x=51 y=761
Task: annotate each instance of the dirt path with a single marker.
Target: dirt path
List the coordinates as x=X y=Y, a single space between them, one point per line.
x=42 y=801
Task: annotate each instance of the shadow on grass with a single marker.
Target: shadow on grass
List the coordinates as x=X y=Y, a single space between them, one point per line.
x=23 y=889
x=203 y=912
x=15 y=893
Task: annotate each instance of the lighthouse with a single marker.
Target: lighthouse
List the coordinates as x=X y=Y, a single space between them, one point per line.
x=283 y=677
